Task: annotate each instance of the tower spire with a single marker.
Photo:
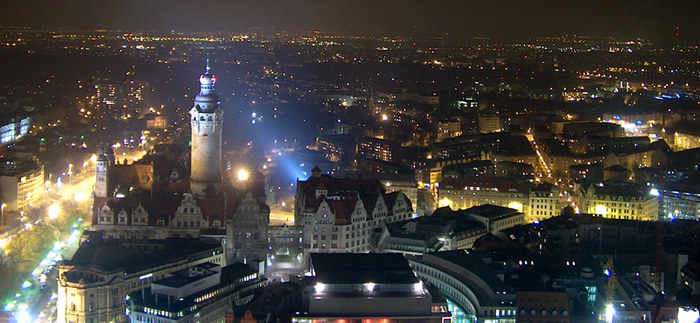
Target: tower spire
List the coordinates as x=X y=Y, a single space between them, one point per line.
x=207 y=72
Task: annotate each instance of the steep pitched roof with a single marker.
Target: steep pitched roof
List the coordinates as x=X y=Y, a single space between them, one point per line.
x=343 y=210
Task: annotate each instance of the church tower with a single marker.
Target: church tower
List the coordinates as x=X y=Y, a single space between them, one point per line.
x=105 y=159
x=207 y=120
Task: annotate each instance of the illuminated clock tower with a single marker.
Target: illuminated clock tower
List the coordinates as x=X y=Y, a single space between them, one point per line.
x=207 y=120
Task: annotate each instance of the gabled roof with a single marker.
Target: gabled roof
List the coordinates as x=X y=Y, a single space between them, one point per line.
x=343 y=210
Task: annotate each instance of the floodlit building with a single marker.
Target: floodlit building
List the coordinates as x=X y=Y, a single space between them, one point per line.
x=339 y=214
x=449 y=128
x=680 y=201
x=489 y=124
x=544 y=202
x=246 y=232
x=93 y=284
x=21 y=183
x=13 y=129
x=200 y=293
x=464 y=193
x=207 y=123
x=496 y=218
x=367 y=286
x=619 y=203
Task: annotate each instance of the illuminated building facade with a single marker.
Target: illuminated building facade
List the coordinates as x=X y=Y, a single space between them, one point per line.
x=464 y=193
x=496 y=218
x=619 y=203
x=339 y=214
x=341 y=148
x=159 y=218
x=200 y=293
x=286 y=256
x=449 y=129
x=380 y=149
x=638 y=124
x=470 y=279
x=92 y=286
x=21 y=183
x=685 y=140
x=105 y=160
x=536 y=202
x=360 y=287
x=207 y=121
x=544 y=202
x=156 y=122
x=246 y=232
x=13 y=129
x=680 y=202
x=488 y=124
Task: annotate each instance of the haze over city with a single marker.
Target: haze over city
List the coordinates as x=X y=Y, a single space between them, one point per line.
x=454 y=20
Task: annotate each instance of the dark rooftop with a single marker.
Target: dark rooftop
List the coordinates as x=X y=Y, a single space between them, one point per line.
x=490 y=211
x=134 y=256
x=357 y=268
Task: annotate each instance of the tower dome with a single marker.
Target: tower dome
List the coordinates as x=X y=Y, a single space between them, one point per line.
x=206 y=100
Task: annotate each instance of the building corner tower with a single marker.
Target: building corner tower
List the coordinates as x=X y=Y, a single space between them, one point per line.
x=207 y=120
x=105 y=160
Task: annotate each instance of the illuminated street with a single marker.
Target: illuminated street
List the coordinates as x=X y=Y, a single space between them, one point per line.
x=35 y=272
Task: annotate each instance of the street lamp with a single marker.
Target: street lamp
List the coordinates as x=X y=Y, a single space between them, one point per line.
x=53 y=211
x=609 y=313
x=2 y=211
x=242 y=175
x=70 y=173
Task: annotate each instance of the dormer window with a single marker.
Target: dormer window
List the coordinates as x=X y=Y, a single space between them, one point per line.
x=122 y=217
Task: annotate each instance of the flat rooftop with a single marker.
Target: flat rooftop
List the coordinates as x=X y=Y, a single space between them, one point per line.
x=490 y=211
x=355 y=268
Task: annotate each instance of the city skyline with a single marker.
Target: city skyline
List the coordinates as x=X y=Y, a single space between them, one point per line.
x=452 y=20
x=222 y=161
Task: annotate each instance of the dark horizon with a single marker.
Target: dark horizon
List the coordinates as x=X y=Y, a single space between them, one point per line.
x=452 y=20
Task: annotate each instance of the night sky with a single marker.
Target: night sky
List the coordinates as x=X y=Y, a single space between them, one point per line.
x=454 y=20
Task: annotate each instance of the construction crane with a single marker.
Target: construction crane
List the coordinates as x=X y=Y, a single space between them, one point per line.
x=612 y=285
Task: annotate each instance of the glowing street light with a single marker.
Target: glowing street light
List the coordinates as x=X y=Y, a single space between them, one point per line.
x=2 y=211
x=242 y=175
x=70 y=173
x=609 y=313
x=53 y=211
